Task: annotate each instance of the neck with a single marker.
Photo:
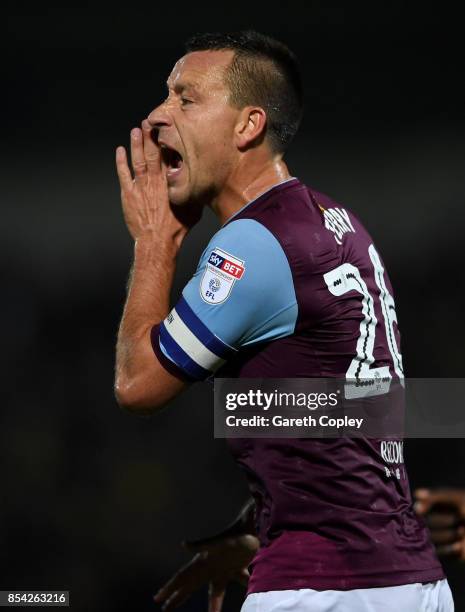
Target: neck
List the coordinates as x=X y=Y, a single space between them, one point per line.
x=246 y=183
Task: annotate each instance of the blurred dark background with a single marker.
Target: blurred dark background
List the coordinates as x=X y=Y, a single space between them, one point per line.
x=97 y=501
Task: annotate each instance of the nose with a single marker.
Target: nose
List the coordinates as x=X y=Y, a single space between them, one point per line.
x=160 y=116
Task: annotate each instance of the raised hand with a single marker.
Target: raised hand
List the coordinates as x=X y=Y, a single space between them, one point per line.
x=144 y=196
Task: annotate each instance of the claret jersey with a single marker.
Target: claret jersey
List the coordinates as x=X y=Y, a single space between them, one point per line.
x=293 y=286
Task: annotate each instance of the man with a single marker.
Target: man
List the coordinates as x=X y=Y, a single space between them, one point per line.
x=290 y=286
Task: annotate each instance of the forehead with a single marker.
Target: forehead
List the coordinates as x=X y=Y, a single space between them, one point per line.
x=202 y=69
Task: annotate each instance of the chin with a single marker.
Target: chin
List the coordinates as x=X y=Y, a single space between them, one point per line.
x=177 y=196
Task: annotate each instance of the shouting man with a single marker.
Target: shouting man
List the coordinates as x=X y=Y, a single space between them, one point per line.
x=290 y=286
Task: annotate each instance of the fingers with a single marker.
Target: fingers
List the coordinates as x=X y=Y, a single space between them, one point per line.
x=422 y=503
x=426 y=498
x=175 y=600
x=456 y=549
x=216 y=593
x=450 y=542
x=171 y=587
x=444 y=536
x=151 y=150
x=122 y=168
x=188 y=579
x=145 y=156
x=139 y=164
x=441 y=520
x=446 y=550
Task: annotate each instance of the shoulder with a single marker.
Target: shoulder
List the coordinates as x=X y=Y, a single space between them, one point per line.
x=242 y=259
x=243 y=248
x=245 y=233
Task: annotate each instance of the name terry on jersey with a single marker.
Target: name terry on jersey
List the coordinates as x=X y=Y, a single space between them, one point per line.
x=221 y=272
x=337 y=220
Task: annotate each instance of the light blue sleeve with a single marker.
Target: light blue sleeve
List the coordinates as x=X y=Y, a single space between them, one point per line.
x=242 y=293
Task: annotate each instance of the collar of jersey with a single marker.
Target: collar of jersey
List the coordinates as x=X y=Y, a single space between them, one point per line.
x=292 y=178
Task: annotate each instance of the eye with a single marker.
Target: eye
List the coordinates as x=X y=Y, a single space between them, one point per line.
x=185 y=101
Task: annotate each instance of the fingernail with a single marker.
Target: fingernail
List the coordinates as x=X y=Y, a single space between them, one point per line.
x=135 y=133
x=146 y=125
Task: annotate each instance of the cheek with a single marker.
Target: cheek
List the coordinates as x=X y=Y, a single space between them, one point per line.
x=210 y=145
x=219 y=146
x=214 y=159
x=216 y=130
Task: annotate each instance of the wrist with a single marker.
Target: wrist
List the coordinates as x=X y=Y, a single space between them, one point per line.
x=153 y=267
x=150 y=244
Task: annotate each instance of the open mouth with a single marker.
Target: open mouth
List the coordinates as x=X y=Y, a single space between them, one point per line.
x=172 y=159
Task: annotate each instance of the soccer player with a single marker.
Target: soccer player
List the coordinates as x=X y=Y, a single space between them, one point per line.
x=290 y=286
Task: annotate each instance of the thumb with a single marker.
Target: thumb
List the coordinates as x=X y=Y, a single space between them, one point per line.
x=423 y=501
x=216 y=592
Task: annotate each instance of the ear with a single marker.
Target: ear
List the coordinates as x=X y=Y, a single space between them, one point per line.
x=250 y=126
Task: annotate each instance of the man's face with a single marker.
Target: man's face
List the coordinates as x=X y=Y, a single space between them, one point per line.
x=196 y=127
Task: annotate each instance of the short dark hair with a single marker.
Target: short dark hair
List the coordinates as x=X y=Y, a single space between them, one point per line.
x=263 y=72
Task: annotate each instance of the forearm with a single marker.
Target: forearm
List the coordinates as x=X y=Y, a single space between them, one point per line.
x=147 y=303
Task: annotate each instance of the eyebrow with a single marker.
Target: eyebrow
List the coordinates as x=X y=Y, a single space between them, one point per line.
x=182 y=85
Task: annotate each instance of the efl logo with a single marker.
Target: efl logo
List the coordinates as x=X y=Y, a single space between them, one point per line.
x=227 y=263
x=220 y=275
